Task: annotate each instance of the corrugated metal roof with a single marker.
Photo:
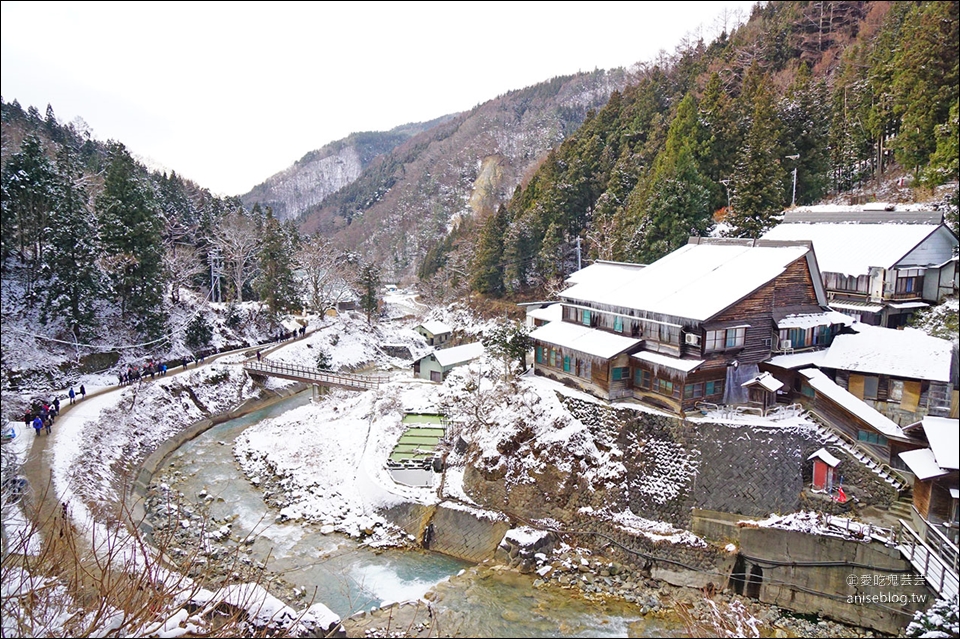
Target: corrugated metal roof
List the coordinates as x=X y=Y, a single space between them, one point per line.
x=801 y=216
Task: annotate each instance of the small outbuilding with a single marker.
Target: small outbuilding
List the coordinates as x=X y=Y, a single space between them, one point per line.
x=824 y=466
x=436 y=333
x=762 y=390
x=437 y=364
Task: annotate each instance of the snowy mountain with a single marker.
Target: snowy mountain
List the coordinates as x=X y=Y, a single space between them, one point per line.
x=324 y=171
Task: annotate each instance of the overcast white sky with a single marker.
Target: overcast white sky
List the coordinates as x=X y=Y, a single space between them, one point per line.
x=227 y=94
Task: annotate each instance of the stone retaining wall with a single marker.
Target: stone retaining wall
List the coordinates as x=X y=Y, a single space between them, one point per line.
x=846 y=580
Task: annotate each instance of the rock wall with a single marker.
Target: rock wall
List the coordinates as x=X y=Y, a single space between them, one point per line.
x=460 y=531
x=849 y=581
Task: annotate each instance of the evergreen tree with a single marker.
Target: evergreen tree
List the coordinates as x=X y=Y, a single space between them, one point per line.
x=29 y=191
x=675 y=201
x=757 y=185
x=73 y=281
x=131 y=228
x=804 y=115
x=368 y=281
x=487 y=265
x=945 y=161
x=275 y=283
x=924 y=83
x=199 y=333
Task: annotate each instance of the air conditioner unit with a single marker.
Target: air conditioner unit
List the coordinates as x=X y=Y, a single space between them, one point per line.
x=692 y=338
x=786 y=344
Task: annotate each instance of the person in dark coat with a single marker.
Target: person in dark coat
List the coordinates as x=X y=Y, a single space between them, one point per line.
x=73 y=395
x=83 y=392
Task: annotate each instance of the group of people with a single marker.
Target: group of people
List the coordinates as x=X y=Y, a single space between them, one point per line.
x=42 y=415
x=135 y=373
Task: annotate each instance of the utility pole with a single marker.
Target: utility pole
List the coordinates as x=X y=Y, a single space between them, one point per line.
x=216 y=270
x=578 y=253
x=793 y=200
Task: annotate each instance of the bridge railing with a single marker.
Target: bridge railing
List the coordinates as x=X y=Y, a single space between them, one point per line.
x=349 y=380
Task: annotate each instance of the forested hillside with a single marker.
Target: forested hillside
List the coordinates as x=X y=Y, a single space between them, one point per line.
x=839 y=92
x=96 y=249
x=324 y=171
x=409 y=199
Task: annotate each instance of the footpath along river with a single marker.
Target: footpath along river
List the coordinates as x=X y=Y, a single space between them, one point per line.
x=348 y=577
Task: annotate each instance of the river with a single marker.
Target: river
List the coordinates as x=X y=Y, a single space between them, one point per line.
x=348 y=577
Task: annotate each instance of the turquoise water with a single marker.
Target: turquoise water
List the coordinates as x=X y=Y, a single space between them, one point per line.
x=347 y=578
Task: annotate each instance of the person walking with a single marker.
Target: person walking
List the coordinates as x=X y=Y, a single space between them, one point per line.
x=37 y=424
x=83 y=392
x=73 y=395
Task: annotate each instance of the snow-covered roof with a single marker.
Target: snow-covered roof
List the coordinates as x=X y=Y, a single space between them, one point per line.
x=766 y=380
x=685 y=365
x=908 y=353
x=798 y=360
x=435 y=328
x=871 y=213
x=922 y=463
x=814 y=319
x=552 y=313
x=584 y=339
x=696 y=281
x=854 y=305
x=825 y=457
x=943 y=434
x=851 y=249
x=459 y=354
x=904 y=305
x=600 y=271
x=849 y=402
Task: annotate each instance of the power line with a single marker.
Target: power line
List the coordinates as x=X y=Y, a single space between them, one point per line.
x=91 y=346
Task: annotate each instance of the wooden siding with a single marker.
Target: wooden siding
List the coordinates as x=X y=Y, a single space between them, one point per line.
x=921 y=497
x=793 y=289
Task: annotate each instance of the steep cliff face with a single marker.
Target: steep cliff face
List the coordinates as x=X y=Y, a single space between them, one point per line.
x=325 y=171
x=410 y=198
x=306 y=183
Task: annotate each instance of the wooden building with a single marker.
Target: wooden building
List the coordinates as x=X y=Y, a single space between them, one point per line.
x=936 y=489
x=692 y=327
x=878 y=266
x=904 y=374
x=852 y=418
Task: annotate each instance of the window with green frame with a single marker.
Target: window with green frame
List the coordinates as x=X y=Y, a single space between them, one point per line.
x=621 y=373
x=585 y=317
x=642 y=378
x=713 y=388
x=539 y=353
x=871 y=437
x=553 y=358
x=618 y=323
x=693 y=391
x=666 y=387
x=566 y=363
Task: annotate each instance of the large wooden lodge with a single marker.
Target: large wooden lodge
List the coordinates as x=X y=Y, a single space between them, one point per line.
x=692 y=327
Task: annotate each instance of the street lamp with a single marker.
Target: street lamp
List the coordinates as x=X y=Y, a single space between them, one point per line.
x=726 y=186
x=795 y=157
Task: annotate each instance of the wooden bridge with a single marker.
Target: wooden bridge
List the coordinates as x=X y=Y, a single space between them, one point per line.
x=350 y=381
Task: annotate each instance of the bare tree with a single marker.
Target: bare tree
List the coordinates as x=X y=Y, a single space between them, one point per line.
x=326 y=272
x=236 y=237
x=181 y=263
